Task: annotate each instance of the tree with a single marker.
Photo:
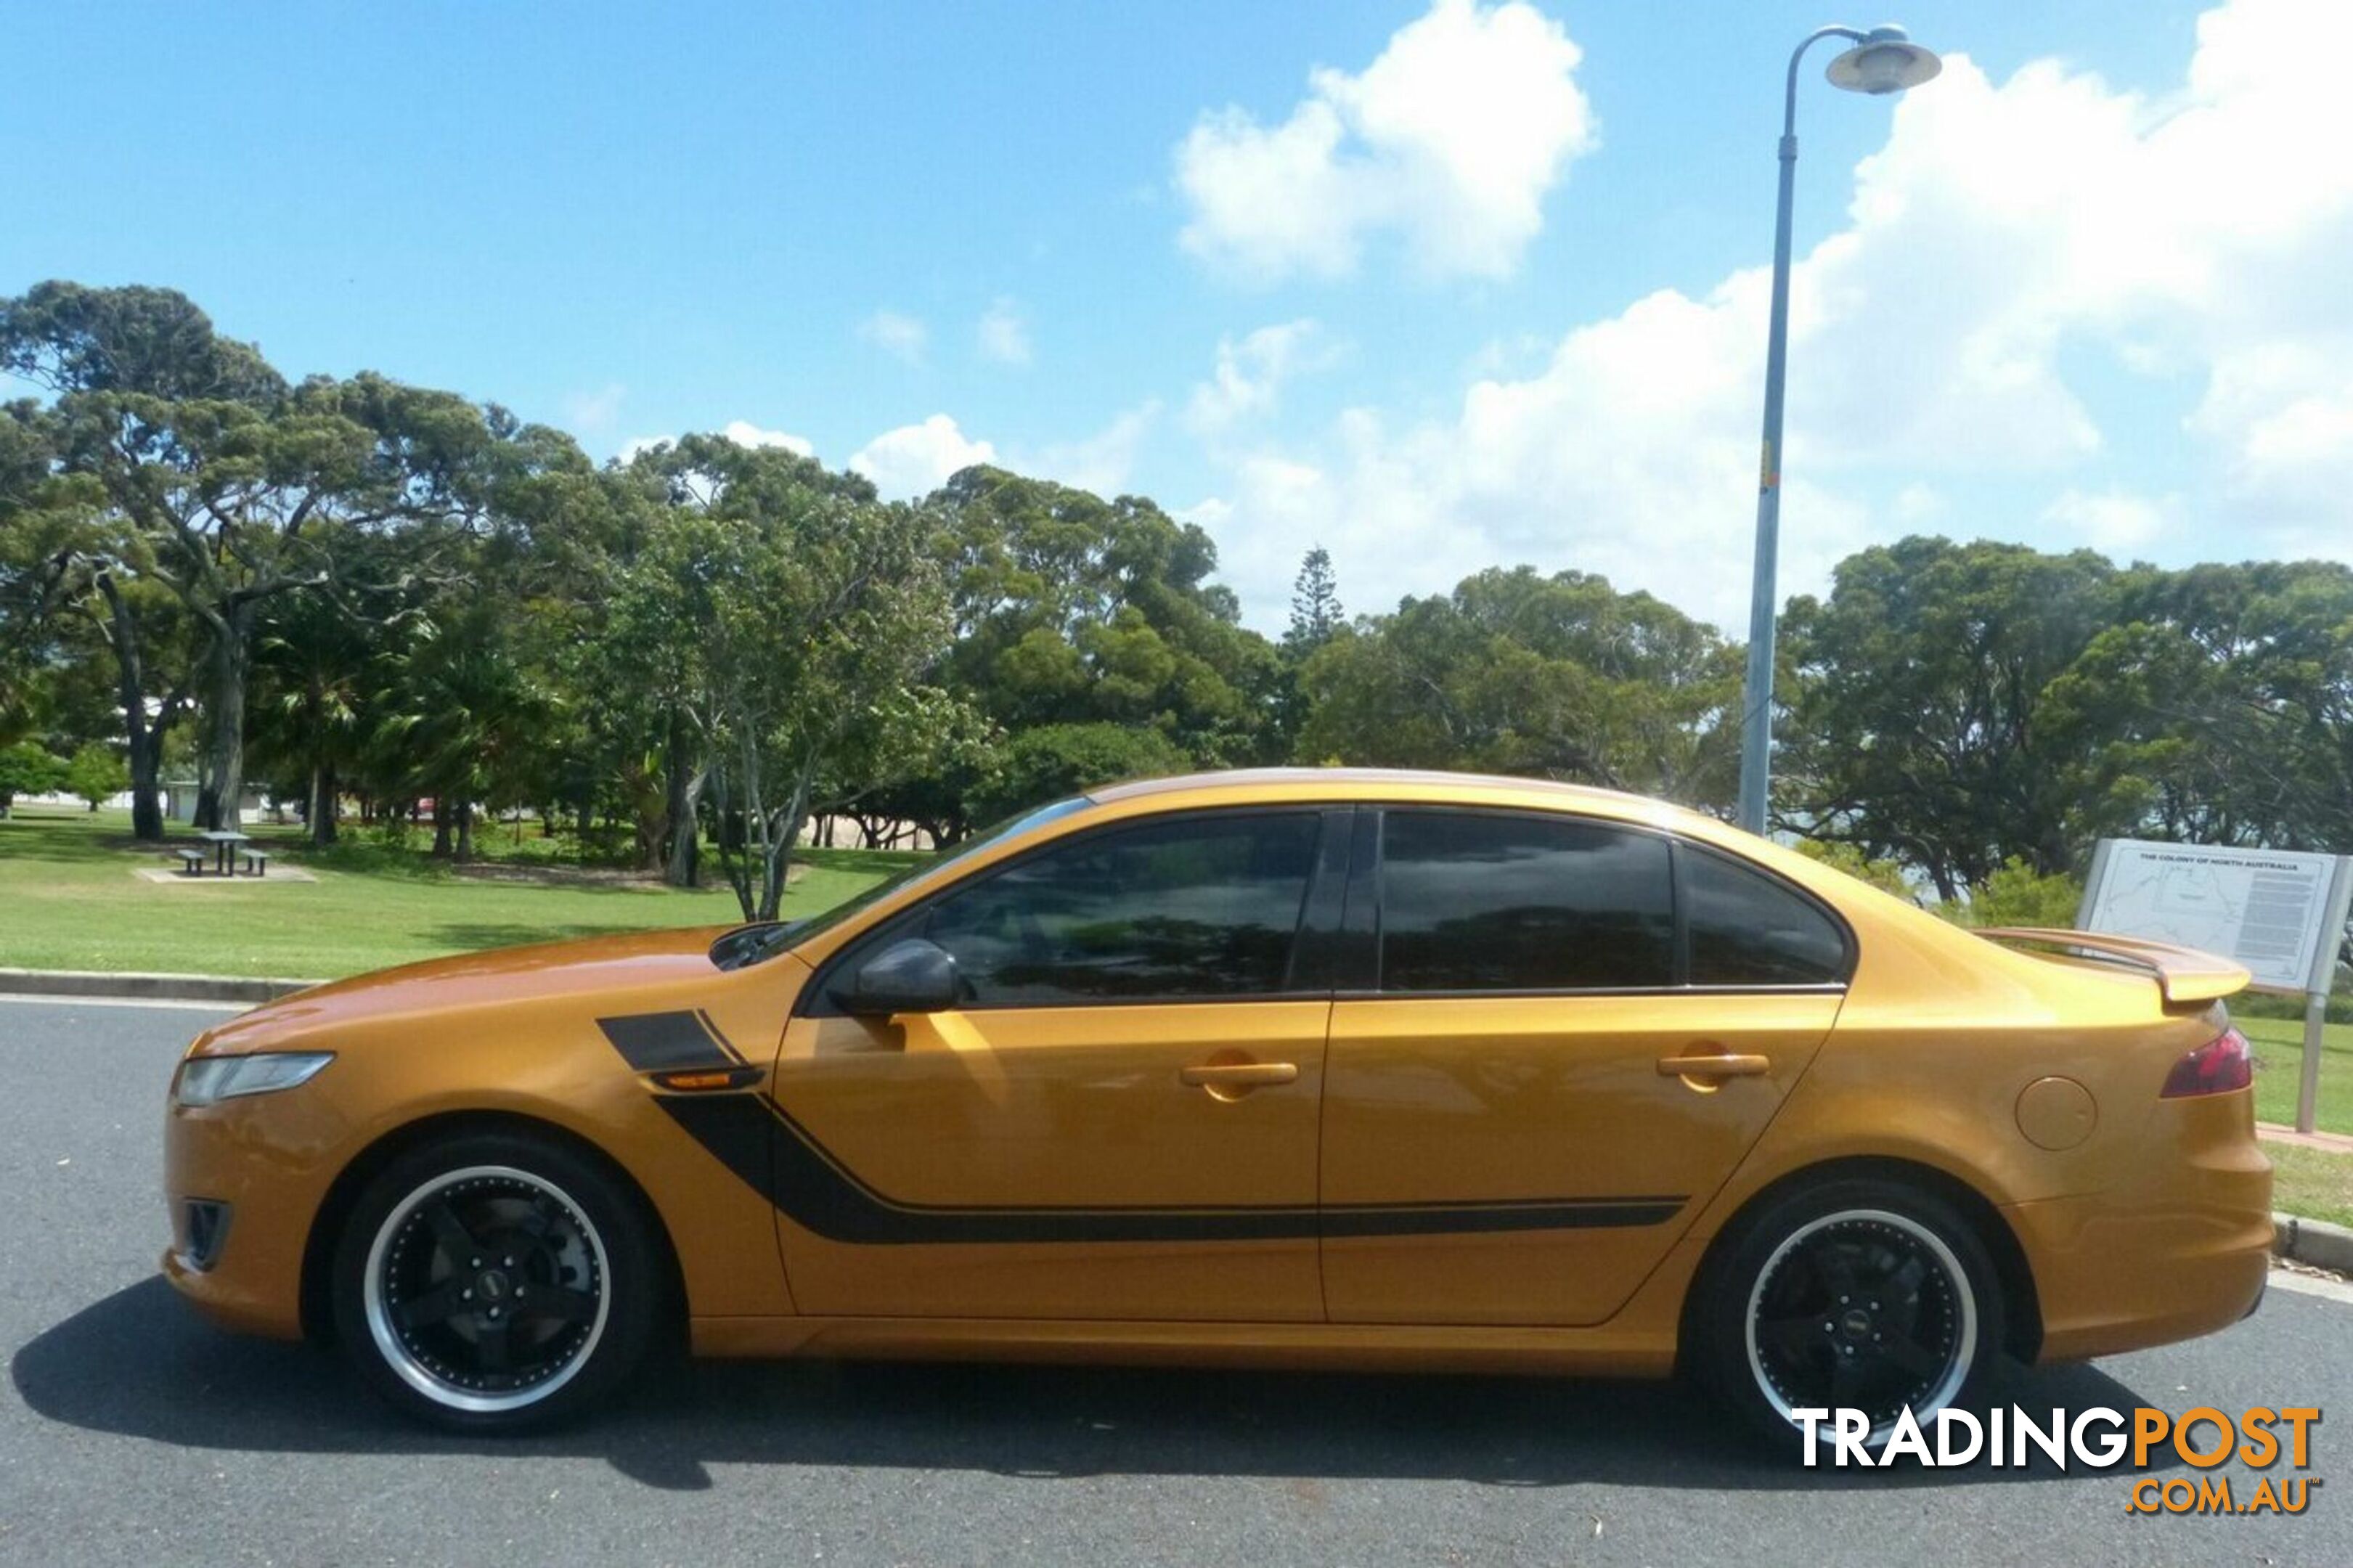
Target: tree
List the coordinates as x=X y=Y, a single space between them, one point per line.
x=463 y=716
x=320 y=667
x=83 y=650
x=1559 y=676
x=95 y=775
x=82 y=342
x=153 y=342
x=1316 y=613
x=230 y=507
x=1963 y=707
x=1072 y=609
x=1054 y=761
x=801 y=614
x=2016 y=894
x=1924 y=726
x=28 y=768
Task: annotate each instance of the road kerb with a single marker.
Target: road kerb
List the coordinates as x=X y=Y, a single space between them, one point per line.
x=2312 y=1241
x=147 y=987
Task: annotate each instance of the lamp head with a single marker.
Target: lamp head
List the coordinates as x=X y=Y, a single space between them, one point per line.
x=1884 y=60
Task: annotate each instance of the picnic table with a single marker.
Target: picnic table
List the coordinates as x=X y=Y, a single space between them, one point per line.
x=224 y=847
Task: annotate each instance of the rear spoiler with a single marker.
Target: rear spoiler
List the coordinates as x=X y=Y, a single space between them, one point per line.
x=2183 y=975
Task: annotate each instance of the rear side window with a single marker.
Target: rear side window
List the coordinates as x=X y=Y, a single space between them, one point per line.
x=1482 y=902
x=1748 y=930
x=1203 y=906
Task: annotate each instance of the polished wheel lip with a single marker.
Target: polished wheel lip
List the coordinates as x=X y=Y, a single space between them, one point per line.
x=1965 y=1341
x=403 y=1361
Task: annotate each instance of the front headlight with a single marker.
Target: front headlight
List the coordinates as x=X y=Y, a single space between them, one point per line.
x=208 y=1080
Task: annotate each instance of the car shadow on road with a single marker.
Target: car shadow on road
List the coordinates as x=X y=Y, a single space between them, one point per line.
x=138 y=1364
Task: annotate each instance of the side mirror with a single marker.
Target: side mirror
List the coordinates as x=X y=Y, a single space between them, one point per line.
x=910 y=976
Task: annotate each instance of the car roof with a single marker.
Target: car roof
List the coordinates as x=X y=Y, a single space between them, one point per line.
x=1408 y=784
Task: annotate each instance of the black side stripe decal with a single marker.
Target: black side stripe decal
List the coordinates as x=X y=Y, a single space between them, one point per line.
x=658 y=1042
x=759 y=1141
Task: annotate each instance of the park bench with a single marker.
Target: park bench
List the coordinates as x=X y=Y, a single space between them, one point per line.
x=191 y=862
x=258 y=861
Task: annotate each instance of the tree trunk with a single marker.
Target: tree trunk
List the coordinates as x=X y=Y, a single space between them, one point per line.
x=441 y=827
x=782 y=833
x=685 y=867
x=465 y=812
x=324 y=795
x=143 y=740
x=220 y=806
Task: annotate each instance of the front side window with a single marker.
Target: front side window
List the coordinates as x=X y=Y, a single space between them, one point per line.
x=1200 y=905
x=1475 y=901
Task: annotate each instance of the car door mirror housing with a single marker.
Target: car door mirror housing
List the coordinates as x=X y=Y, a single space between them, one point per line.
x=909 y=977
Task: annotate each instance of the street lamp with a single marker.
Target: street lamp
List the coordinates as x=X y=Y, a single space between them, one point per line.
x=1883 y=60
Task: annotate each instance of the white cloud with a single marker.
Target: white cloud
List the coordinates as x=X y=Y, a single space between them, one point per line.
x=1250 y=374
x=593 y=412
x=917 y=459
x=1101 y=462
x=900 y=335
x=1004 y=335
x=743 y=432
x=1450 y=140
x=2006 y=236
x=2114 y=521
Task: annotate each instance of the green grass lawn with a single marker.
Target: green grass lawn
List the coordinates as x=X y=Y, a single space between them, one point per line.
x=2279 y=1067
x=2311 y=1182
x=68 y=899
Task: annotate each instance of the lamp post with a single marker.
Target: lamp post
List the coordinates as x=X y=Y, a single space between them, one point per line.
x=1882 y=60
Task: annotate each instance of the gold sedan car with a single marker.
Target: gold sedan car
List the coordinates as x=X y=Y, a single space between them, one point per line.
x=1323 y=1067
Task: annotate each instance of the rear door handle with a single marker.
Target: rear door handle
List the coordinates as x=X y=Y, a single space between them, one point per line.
x=1238 y=1074
x=1715 y=1066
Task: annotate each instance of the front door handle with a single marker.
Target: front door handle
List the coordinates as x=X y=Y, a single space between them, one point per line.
x=1714 y=1065
x=1232 y=1080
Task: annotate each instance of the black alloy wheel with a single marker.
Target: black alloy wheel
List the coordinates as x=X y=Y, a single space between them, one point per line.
x=1859 y=1295
x=495 y=1281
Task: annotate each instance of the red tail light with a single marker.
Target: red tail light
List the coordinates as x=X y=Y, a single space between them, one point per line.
x=2218 y=1066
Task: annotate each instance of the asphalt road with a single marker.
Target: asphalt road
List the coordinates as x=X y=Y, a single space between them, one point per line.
x=131 y=1432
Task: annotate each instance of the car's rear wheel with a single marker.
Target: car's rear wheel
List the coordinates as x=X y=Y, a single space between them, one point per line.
x=495 y=1281
x=1851 y=1294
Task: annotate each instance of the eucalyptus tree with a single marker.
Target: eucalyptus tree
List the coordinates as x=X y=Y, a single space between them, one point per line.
x=791 y=616
x=230 y=506
x=1559 y=676
x=85 y=647
x=1925 y=725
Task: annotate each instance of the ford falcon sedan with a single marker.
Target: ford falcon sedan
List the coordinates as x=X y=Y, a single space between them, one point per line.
x=1299 y=1068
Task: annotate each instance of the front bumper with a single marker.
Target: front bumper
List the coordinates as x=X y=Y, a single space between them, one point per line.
x=267 y=1160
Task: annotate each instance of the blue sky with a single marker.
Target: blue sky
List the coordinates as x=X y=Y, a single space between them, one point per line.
x=1040 y=227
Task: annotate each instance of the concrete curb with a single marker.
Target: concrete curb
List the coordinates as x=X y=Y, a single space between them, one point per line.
x=146 y=987
x=2312 y=1241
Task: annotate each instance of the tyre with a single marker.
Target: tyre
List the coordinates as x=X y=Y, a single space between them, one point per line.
x=496 y=1281
x=1858 y=1294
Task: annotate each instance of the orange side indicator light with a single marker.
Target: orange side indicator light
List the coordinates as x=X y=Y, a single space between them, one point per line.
x=689 y=1082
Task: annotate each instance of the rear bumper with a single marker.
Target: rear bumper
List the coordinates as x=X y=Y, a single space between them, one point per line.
x=2183 y=1253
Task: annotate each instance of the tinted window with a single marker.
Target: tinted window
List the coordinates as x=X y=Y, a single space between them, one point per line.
x=1748 y=930
x=758 y=944
x=1477 y=902
x=1193 y=907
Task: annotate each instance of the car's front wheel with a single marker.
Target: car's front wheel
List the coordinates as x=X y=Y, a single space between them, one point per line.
x=495 y=1281
x=1851 y=1294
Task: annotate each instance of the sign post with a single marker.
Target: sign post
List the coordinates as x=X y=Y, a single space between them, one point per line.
x=2281 y=913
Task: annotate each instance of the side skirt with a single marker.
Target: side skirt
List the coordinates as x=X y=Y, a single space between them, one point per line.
x=1600 y=1352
